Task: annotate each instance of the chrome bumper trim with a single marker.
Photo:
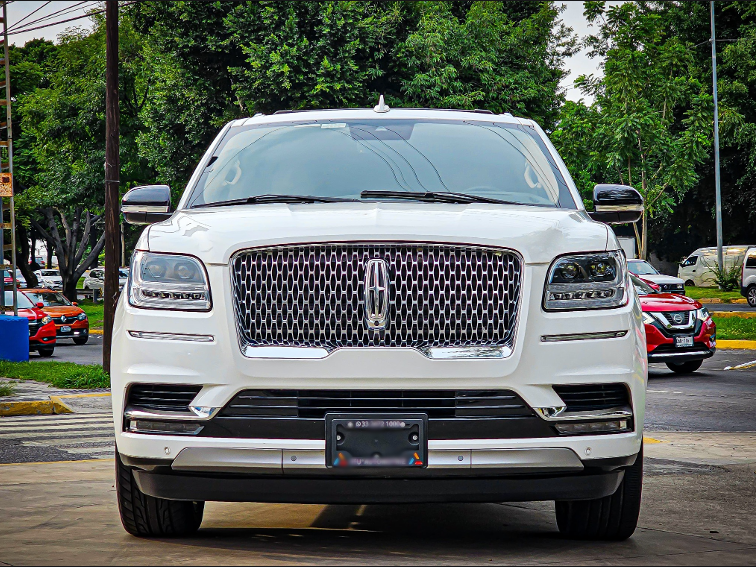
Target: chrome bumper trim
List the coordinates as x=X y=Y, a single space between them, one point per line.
x=150 y=335
x=652 y=355
x=435 y=353
x=197 y=414
x=278 y=461
x=554 y=414
x=583 y=336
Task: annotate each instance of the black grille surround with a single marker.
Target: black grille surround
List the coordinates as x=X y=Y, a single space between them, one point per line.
x=300 y=414
x=437 y=404
x=313 y=295
x=161 y=397
x=678 y=318
x=594 y=397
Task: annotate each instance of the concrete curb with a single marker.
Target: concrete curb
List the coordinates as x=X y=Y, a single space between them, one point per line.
x=96 y=331
x=746 y=345
x=706 y=300
x=38 y=407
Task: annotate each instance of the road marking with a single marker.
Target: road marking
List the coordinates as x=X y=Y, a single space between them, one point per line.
x=68 y=442
x=56 y=462
x=742 y=366
x=651 y=441
x=95 y=430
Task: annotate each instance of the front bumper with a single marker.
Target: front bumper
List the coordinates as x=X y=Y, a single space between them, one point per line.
x=80 y=329
x=44 y=337
x=661 y=344
x=597 y=481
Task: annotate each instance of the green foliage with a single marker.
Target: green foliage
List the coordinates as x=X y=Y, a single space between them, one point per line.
x=650 y=124
x=735 y=328
x=727 y=279
x=212 y=62
x=7 y=389
x=59 y=374
x=94 y=311
x=712 y=293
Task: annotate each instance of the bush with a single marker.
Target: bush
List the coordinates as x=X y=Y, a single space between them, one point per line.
x=726 y=279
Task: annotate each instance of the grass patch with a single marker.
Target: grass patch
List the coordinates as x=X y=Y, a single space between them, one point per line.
x=735 y=328
x=95 y=312
x=712 y=292
x=7 y=389
x=59 y=374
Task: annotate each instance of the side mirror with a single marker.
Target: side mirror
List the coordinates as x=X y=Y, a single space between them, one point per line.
x=40 y=305
x=75 y=304
x=147 y=204
x=616 y=204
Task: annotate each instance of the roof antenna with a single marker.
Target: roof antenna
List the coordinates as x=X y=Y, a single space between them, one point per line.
x=382 y=106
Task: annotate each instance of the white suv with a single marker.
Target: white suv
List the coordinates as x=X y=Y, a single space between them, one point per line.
x=748 y=277
x=376 y=306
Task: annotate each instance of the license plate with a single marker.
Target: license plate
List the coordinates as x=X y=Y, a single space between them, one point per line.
x=364 y=441
x=681 y=342
x=65 y=329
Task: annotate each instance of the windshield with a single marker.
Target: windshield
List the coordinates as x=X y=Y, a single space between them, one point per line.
x=642 y=287
x=50 y=299
x=642 y=268
x=50 y=273
x=341 y=159
x=23 y=301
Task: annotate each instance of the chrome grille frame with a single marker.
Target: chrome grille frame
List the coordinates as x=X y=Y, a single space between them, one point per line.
x=343 y=313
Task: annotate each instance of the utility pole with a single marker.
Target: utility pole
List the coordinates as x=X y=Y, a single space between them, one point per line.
x=112 y=178
x=6 y=179
x=717 y=187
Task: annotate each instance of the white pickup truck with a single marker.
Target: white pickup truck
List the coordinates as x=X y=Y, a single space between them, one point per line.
x=376 y=306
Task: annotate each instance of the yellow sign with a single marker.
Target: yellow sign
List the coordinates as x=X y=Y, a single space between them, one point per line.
x=6 y=185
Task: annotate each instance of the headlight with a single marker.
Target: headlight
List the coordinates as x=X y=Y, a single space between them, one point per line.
x=163 y=281
x=703 y=314
x=648 y=319
x=46 y=320
x=82 y=317
x=586 y=281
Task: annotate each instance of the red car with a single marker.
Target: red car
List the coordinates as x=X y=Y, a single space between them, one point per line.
x=42 y=331
x=679 y=330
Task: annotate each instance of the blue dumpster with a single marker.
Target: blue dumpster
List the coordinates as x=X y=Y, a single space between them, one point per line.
x=14 y=338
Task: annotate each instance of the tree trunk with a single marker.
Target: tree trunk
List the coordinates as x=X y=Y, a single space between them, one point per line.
x=22 y=256
x=644 y=237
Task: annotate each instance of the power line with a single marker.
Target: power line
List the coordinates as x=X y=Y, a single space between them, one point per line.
x=61 y=12
x=89 y=14
x=29 y=15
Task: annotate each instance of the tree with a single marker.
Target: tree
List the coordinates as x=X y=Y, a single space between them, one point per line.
x=64 y=127
x=212 y=62
x=650 y=124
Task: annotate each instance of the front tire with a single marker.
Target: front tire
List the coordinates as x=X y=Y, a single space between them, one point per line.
x=685 y=367
x=690 y=283
x=81 y=341
x=46 y=352
x=147 y=516
x=612 y=518
x=751 y=296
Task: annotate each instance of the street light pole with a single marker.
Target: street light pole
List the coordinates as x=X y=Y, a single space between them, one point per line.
x=718 y=189
x=112 y=175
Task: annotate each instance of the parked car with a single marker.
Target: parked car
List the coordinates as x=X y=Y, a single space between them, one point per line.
x=679 y=330
x=696 y=269
x=358 y=306
x=95 y=280
x=49 y=279
x=70 y=320
x=41 y=327
x=646 y=271
x=748 y=277
x=8 y=279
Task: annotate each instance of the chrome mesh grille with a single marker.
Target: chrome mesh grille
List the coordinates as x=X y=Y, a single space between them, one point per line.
x=313 y=296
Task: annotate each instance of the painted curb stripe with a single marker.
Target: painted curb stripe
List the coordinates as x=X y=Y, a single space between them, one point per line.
x=40 y=407
x=734 y=314
x=747 y=345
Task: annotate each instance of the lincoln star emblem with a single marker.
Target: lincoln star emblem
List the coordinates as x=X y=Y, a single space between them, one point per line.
x=376 y=294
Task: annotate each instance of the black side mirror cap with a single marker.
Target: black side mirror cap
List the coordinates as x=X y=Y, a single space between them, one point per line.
x=616 y=204
x=147 y=204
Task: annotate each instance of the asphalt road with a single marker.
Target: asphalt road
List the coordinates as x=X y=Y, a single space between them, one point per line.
x=730 y=307
x=67 y=351
x=698 y=503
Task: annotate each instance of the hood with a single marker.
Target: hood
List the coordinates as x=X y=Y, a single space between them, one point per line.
x=668 y=302
x=661 y=279
x=539 y=234
x=68 y=311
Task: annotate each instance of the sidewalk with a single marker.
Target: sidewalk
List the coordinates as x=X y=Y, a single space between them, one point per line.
x=38 y=398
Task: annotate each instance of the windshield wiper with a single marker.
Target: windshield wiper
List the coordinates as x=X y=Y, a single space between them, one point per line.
x=258 y=199
x=434 y=197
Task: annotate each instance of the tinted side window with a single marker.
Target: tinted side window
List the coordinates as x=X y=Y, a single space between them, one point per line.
x=751 y=260
x=690 y=261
